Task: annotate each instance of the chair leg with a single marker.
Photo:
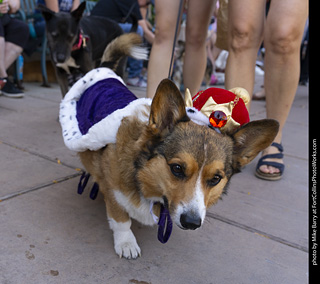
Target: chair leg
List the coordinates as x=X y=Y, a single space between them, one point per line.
x=45 y=82
x=17 y=67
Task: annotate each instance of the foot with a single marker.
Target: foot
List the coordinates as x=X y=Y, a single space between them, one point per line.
x=270 y=169
x=270 y=165
x=8 y=89
x=125 y=243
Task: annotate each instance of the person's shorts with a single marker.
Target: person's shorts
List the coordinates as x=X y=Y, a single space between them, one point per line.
x=14 y=30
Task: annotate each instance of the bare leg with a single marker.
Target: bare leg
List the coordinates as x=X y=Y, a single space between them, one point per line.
x=195 y=61
x=283 y=34
x=246 y=23
x=159 y=63
x=12 y=51
x=9 y=52
x=3 y=72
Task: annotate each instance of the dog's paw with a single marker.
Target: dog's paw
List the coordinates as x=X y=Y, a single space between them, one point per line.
x=125 y=245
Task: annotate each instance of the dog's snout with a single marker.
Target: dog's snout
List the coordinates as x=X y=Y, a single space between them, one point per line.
x=61 y=58
x=190 y=221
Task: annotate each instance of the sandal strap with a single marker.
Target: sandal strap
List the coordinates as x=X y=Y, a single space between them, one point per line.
x=277 y=165
x=262 y=161
x=278 y=146
x=272 y=156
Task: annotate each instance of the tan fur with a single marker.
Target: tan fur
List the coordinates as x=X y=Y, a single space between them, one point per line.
x=141 y=165
x=121 y=45
x=215 y=168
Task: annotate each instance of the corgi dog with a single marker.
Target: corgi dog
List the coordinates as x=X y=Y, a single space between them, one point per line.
x=153 y=163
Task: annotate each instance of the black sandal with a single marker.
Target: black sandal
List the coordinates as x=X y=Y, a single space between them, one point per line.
x=262 y=162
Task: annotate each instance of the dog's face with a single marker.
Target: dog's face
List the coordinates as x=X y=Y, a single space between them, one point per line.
x=62 y=31
x=188 y=166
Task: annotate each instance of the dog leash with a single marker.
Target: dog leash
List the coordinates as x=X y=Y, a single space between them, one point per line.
x=175 y=39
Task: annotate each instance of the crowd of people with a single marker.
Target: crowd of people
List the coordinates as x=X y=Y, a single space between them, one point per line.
x=238 y=28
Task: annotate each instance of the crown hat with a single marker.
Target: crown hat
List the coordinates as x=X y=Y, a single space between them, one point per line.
x=225 y=110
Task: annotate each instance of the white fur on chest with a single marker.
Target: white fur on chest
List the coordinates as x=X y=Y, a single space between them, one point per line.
x=141 y=213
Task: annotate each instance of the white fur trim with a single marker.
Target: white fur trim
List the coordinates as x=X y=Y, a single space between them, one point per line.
x=197 y=116
x=103 y=132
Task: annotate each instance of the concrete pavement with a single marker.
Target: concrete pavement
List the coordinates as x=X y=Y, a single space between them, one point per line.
x=258 y=233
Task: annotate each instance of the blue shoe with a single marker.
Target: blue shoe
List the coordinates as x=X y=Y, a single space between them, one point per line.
x=262 y=162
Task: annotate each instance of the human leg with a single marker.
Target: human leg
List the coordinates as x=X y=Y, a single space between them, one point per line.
x=17 y=34
x=3 y=72
x=159 y=61
x=13 y=37
x=283 y=34
x=246 y=23
x=198 y=19
x=12 y=51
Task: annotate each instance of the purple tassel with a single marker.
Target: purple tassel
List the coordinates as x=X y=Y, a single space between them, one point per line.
x=165 y=225
x=83 y=182
x=94 y=191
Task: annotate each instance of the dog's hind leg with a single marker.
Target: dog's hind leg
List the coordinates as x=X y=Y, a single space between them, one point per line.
x=125 y=243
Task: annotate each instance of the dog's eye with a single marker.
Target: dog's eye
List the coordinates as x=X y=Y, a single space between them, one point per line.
x=214 y=181
x=177 y=170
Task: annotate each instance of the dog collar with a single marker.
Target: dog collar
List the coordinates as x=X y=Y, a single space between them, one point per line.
x=82 y=41
x=164 y=224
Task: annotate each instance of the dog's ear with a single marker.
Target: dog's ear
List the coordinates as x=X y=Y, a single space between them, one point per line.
x=252 y=138
x=46 y=12
x=77 y=13
x=167 y=108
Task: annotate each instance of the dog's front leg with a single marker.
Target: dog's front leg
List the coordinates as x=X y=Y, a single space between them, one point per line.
x=125 y=243
x=62 y=78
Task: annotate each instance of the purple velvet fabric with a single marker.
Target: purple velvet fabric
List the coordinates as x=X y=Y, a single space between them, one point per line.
x=100 y=100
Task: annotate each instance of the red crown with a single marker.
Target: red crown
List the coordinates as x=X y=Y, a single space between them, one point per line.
x=224 y=108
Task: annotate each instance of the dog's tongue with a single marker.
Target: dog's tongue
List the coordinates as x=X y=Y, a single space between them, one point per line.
x=165 y=225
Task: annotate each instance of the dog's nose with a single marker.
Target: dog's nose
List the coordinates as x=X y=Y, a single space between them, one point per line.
x=190 y=221
x=61 y=57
